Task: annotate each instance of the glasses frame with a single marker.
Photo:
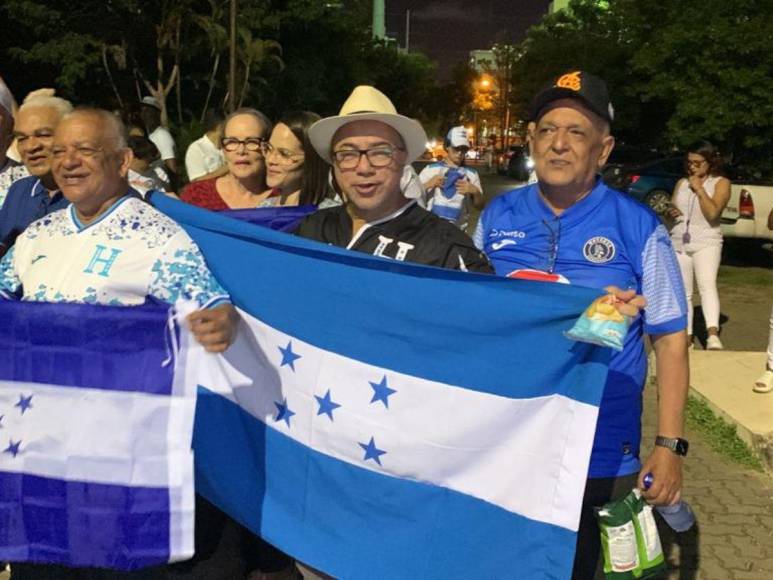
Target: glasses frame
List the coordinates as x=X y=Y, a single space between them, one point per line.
x=286 y=157
x=367 y=153
x=226 y=142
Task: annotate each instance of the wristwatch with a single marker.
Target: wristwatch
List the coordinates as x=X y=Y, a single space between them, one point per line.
x=675 y=444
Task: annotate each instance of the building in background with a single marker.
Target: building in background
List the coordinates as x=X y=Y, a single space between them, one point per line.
x=480 y=59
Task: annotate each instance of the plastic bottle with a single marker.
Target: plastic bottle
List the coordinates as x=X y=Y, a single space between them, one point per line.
x=679 y=516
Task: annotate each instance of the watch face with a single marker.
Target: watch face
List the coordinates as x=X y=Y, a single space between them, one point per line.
x=682 y=446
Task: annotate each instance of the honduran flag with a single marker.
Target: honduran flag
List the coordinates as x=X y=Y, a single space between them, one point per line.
x=379 y=419
x=96 y=468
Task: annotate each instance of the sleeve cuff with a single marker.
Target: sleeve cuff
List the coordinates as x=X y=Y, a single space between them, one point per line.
x=215 y=302
x=668 y=327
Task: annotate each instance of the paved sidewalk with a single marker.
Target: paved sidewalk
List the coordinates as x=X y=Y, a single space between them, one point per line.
x=733 y=537
x=724 y=380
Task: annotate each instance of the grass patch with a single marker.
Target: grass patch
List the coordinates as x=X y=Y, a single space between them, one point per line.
x=746 y=276
x=720 y=435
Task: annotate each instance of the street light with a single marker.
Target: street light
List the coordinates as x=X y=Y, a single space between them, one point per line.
x=484 y=92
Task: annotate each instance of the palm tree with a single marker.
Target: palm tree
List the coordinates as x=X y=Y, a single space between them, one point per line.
x=255 y=53
x=217 y=36
x=167 y=40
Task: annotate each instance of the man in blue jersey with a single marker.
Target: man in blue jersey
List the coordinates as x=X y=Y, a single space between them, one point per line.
x=571 y=225
x=32 y=197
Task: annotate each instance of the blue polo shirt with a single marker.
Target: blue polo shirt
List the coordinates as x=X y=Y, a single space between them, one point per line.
x=26 y=202
x=605 y=239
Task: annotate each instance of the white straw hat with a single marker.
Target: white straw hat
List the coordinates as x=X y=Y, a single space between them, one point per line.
x=368 y=104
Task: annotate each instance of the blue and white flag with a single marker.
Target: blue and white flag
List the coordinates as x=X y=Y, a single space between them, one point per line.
x=377 y=419
x=95 y=432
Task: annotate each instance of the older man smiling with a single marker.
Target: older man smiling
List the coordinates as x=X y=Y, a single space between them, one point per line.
x=33 y=197
x=109 y=246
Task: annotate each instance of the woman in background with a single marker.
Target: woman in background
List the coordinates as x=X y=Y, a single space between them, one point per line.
x=244 y=186
x=295 y=173
x=697 y=203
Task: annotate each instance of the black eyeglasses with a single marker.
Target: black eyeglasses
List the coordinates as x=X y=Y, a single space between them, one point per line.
x=377 y=157
x=253 y=144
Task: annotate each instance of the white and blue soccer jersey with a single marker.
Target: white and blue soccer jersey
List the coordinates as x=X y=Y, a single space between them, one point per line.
x=129 y=253
x=444 y=201
x=604 y=239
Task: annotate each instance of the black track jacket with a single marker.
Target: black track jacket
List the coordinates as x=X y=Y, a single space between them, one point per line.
x=411 y=234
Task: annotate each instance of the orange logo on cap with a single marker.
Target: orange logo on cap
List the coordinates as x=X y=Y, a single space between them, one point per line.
x=570 y=81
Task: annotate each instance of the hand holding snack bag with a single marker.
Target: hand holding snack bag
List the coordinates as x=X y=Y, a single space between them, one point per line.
x=629 y=539
x=602 y=323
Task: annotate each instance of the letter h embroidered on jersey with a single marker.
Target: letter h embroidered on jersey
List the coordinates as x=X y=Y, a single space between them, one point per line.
x=402 y=248
x=98 y=260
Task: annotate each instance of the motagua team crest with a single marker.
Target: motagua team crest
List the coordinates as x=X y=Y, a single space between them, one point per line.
x=599 y=250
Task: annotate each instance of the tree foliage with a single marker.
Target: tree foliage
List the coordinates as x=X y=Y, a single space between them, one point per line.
x=678 y=70
x=292 y=54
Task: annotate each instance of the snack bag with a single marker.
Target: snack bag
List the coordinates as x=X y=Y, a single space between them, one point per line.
x=618 y=541
x=651 y=556
x=601 y=324
x=629 y=539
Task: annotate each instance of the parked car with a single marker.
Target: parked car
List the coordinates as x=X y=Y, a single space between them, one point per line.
x=746 y=214
x=623 y=160
x=650 y=182
x=503 y=158
x=517 y=163
x=520 y=166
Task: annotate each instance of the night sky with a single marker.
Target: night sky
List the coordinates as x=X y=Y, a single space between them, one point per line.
x=447 y=30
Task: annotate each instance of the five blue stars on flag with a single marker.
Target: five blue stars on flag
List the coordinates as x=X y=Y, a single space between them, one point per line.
x=381 y=392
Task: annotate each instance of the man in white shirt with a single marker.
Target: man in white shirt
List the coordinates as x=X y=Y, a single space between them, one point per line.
x=109 y=246
x=160 y=135
x=450 y=188
x=204 y=159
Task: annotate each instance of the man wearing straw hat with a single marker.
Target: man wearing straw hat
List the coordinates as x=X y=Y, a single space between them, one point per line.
x=368 y=144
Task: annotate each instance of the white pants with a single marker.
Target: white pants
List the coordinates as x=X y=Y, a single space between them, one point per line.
x=770 y=342
x=703 y=264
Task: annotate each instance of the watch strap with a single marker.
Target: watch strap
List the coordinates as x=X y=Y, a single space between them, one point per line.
x=672 y=443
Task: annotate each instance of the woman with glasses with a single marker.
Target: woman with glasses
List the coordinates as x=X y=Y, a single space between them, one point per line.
x=697 y=204
x=244 y=186
x=295 y=173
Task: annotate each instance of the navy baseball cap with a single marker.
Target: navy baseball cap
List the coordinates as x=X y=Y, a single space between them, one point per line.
x=580 y=85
